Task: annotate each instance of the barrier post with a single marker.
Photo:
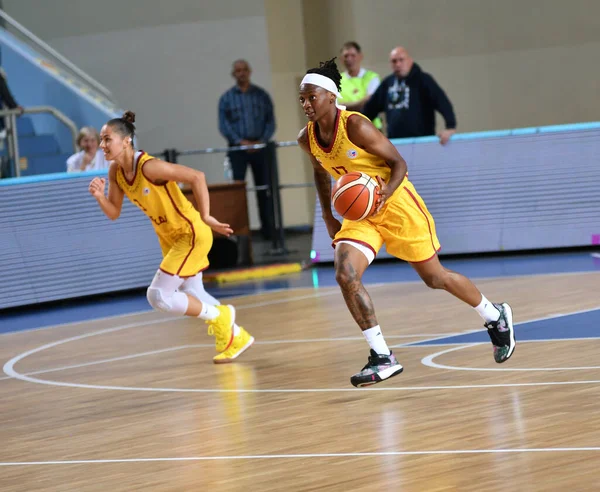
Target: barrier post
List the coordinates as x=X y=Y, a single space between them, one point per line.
x=278 y=230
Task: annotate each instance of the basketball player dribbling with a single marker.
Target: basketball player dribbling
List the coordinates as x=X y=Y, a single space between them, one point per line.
x=184 y=234
x=338 y=142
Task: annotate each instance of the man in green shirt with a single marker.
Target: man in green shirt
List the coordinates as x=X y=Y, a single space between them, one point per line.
x=358 y=84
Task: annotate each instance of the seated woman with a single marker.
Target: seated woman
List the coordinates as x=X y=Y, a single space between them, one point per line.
x=91 y=157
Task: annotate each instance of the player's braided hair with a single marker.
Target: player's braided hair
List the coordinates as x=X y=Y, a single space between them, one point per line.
x=330 y=70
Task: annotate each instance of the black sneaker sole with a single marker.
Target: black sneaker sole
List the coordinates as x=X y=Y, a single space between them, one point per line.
x=361 y=382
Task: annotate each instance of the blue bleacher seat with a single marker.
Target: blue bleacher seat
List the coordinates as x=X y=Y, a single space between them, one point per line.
x=46 y=164
x=38 y=145
x=25 y=126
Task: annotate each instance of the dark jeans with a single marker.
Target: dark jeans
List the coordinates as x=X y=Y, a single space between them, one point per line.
x=258 y=160
x=6 y=169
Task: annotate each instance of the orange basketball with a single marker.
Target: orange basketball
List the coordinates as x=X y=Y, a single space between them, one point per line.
x=354 y=196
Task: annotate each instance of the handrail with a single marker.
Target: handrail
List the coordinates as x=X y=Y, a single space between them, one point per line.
x=61 y=58
x=59 y=115
x=412 y=140
x=11 y=127
x=222 y=150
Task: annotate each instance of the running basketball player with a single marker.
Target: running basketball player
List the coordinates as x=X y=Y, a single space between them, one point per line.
x=184 y=234
x=339 y=142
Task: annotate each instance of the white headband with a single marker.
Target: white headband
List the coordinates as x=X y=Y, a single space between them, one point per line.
x=324 y=82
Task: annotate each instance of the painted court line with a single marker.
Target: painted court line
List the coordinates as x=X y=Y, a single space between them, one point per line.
x=269 y=342
x=12 y=373
x=428 y=361
x=309 y=455
x=535 y=320
x=205 y=345
x=462 y=344
x=113 y=359
x=9 y=370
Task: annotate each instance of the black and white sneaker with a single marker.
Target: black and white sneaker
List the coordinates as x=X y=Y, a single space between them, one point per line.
x=379 y=368
x=502 y=333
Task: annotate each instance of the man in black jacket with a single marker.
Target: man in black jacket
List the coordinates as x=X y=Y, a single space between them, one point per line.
x=6 y=101
x=6 y=98
x=409 y=97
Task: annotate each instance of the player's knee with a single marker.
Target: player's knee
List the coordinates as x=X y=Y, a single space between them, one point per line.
x=435 y=280
x=345 y=274
x=190 y=291
x=158 y=300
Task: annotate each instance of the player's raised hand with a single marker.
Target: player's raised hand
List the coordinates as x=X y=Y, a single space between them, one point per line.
x=96 y=187
x=217 y=226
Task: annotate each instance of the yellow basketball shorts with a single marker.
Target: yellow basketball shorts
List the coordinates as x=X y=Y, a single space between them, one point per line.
x=187 y=254
x=404 y=225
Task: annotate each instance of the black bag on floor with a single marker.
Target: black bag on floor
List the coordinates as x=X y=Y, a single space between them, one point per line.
x=224 y=253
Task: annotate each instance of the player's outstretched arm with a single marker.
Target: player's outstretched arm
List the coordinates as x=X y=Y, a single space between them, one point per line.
x=111 y=205
x=159 y=171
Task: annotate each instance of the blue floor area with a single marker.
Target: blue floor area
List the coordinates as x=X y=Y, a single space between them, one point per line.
x=482 y=267
x=571 y=326
x=71 y=312
x=318 y=276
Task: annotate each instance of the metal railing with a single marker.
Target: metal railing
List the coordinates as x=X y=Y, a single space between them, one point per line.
x=273 y=189
x=57 y=57
x=10 y=118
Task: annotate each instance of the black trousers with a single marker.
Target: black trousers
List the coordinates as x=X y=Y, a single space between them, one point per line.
x=259 y=162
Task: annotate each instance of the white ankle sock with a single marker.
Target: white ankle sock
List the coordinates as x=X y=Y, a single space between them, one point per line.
x=208 y=312
x=375 y=339
x=487 y=310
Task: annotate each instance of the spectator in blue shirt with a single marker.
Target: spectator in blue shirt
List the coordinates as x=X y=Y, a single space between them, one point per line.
x=246 y=118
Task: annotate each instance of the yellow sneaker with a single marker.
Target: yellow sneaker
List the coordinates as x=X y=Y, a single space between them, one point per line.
x=242 y=342
x=222 y=327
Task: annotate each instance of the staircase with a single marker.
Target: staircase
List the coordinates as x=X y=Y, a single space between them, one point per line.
x=40 y=153
x=39 y=76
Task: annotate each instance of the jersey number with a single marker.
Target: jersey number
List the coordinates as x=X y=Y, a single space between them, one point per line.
x=340 y=170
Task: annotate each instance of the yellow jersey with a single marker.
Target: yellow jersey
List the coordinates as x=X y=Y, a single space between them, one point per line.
x=404 y=224
x=171 y=213
x=343 y=157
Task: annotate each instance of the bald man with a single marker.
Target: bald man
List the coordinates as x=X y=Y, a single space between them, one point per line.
x=409 y=98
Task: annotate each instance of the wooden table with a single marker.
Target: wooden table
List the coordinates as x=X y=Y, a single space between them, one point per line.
x=229 y=204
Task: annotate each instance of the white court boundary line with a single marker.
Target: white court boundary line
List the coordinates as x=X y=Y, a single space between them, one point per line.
x=205 y=345
x=470 y=332
x=428 y=361
x=309 y=455
x=261 y=342
x=12 y=373
x=318 y=292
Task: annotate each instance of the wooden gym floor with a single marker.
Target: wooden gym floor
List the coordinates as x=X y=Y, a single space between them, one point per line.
x=134 y=402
